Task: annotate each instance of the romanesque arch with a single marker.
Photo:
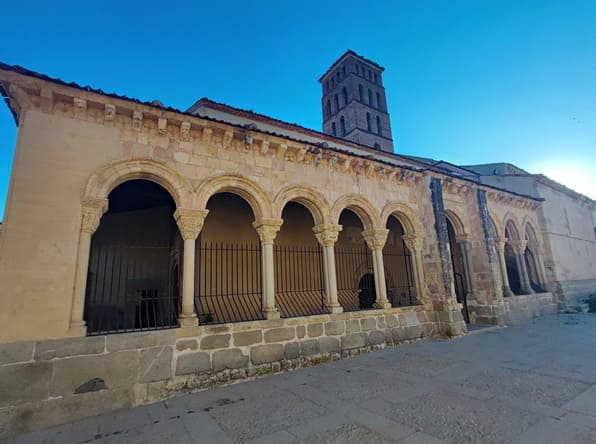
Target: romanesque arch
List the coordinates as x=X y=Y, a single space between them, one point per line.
x=456 y=220
x=252 y=193
x=314 y=201
x=497 y=229
x=366 y=211
x=511 y=227
x=405 y=215
x=103 y=181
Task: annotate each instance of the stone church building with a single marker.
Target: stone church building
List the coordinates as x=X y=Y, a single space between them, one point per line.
x=147 y=251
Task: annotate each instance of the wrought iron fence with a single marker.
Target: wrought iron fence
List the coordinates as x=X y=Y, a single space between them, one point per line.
x=355 y=277
x=400 y=282
x=229 y=282
x=131 y=288
x=299 y=280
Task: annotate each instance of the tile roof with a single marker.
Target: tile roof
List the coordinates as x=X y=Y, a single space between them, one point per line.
x=352 y=53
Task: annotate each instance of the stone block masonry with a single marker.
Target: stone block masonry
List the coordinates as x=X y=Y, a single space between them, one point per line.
x=50 y=382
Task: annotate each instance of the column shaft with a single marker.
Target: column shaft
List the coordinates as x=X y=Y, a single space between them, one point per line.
x=77 y=324
x=381 y=287
x=188 y=315
x=503 y=267
x=525 y=280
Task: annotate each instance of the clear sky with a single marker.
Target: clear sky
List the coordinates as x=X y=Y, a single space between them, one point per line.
x=467 y=81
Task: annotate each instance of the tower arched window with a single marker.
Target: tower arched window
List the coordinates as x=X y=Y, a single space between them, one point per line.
x=379 y=101
x=370 y=100
x=368 y=127
x=328 y=107
x=336 y=102
x=344 y=93
x=342 y=125
x=361 y=93
x=379 y=129
x=333 y=129
x=376 y=81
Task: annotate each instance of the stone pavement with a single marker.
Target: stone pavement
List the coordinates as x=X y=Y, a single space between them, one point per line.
x=529 y=383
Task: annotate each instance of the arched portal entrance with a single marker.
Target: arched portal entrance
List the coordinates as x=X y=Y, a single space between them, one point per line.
x=228 y=275
x=132 y=281
x=299 y=269
x=354 y=263
x=460 y=278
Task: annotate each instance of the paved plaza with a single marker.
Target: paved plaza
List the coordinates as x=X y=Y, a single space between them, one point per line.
x=530 y=383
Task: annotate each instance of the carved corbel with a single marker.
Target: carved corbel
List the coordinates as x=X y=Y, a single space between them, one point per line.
x=109 y=112
x=79 y=108
x=264 y=148
x=207 y=133
x=227 y=139
x=162 y=126
x=137 y=120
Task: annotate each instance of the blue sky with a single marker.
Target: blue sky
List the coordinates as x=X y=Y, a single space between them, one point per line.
x=467 y=81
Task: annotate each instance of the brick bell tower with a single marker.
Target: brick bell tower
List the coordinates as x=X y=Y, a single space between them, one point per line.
x=354 y=104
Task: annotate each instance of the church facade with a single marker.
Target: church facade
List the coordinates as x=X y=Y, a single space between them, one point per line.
x=147 y=251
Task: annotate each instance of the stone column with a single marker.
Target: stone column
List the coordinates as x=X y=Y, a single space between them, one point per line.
x=500 y=246
x=539 y=258
x=466 y=249
x=190 y=223
x=415 y=244
x=519 y=247
x=327 y=236
x=267 y=229
x=92 y=210
x=375 y=240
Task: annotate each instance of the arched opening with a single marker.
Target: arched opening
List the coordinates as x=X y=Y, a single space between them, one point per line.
x=344 y=94
x=299 y=268
x=459 y=271
x=133 y=281
x=366 y=292
x=511 y=259
x=353 y=261
x=228 y=277
x=531 y=259
x=398 y=265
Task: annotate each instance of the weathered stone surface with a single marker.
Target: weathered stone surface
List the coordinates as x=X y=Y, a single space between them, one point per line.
x=315 y=330
x=310 y=347
x=215 y=341
x=300 y=331
x=249 y=337
x=16 y=352
x=24 y=382
x=335 y=328
x=263 y=354
x=391 y=321
x=156 y=364
x=367 y=324
x=118 y=369
x=187 y=344
x=280 y=334
x=352 y=326
x=413 y=332
x=410 y=318
x=329 y=345
x=60 y=348
x=291 y=350
x=381 y=322
x=399 y=334
x=224 y=359
x=376 y=337
x=354 y=340
x=191 y=363
x=132 y=341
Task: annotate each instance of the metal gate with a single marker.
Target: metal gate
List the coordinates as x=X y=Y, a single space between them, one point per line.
x=299 y=280
x=354 y=288
x=229 y=284
x=400 y=288
x=131 y=288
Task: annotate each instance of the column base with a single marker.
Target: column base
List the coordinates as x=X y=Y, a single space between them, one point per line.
x=507 y=292
x=382 y=304
x=185 y=321
x=76 y=330
x=271 y=313
x=335 y=308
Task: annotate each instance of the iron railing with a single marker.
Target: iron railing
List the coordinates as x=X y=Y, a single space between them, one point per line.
x=299 y=280
x=400 y=281
x=229 y=282
x=355 y=277
x=131 y=288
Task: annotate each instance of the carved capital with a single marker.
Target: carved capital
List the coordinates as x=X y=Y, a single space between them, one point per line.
x=92 y=210
x=518 y=246
x=267 y=229
x=375 y=238
x=327 y=234
x=500 y=245
x=464 y=242
x=413 y=243
x=190 y=222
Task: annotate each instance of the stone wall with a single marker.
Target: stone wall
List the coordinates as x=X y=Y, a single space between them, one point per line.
x=527 y=306
x=50 y=382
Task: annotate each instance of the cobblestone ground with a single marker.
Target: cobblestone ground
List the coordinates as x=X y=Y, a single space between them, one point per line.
x=530 y=383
